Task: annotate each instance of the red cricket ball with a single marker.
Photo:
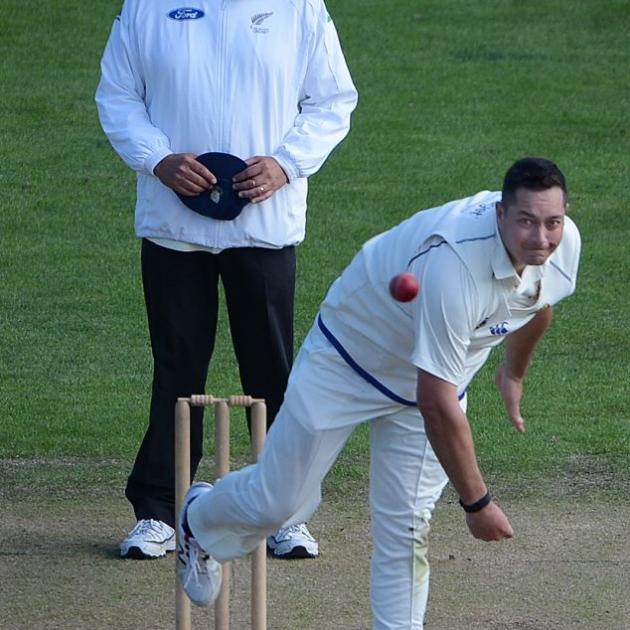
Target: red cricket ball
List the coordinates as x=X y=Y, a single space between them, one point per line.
x=404 y=287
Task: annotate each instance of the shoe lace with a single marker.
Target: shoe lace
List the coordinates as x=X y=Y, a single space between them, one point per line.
x=194 y=565
x=299 y=529
x=145 y=525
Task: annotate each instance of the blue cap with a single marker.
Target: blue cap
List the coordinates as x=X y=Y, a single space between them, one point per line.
x=221 y=201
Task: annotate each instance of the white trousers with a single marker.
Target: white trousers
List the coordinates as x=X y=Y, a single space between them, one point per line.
x=325 y=400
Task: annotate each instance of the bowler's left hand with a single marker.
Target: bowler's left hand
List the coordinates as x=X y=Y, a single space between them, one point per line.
x=511 y=390
x=262 y=177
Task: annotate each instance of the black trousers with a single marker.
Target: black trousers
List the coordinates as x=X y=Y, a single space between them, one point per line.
x=181 y=295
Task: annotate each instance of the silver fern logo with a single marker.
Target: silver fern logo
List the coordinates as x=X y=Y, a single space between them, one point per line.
x=257 y=21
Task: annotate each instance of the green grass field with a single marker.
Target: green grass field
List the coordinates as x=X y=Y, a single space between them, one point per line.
x=450 y=94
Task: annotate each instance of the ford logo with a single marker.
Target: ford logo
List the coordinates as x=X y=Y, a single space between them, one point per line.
x=186 y=13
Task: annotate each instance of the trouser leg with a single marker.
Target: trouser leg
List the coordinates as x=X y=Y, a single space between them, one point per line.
x=324 y=401
x=259 y=288
x=181 y=299
x=284 y=488
x=406 y=480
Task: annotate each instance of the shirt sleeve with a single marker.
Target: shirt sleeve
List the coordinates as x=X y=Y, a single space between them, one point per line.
x=120 y=102
x=328 y=98
x=445 y=313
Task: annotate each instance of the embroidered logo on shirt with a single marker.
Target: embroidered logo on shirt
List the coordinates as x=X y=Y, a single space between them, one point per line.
x=499 y=329
x=480 y=210
x=186 y=13
x=257 y=20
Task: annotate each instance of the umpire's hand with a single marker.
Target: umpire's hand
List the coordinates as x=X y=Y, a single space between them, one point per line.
x=182 y=173
x=262 y=177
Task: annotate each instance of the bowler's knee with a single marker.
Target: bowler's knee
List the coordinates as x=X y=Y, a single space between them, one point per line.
x=277 y=511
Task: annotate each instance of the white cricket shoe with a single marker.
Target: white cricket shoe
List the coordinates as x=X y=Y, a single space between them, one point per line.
x=293 y=542
x=149 y=539
x=198 y=572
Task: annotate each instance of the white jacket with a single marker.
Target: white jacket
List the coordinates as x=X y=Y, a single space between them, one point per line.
x=247 y=77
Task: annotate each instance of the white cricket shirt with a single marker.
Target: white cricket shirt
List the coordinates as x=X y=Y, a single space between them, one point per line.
x=470 y=295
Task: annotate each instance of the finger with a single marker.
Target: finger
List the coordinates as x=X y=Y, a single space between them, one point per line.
x=196 y=183
x=189 y=189
x=517 y=420
x=519 y=423
x=264 y=194
x=501 y=533
x=255 y=159
x=249 y=173
x=201 y=175
x=514 y=413
x=194 y=179
x=250 y=185
x=191 y=177
x=256 y=194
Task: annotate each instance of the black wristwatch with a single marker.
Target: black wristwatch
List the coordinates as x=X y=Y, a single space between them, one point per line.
x=477 y=505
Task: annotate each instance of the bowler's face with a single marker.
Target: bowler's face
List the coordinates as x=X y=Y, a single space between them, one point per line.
x=531 y=227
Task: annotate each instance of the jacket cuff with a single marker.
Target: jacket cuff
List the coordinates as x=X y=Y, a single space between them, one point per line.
x=286 y=163
x=155 y=158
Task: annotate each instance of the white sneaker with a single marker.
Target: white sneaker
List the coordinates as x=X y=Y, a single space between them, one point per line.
x=293 y=542
x=149 y=539
x=198 y=572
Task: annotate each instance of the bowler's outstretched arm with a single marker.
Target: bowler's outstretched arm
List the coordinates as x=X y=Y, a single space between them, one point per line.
x=449 y=433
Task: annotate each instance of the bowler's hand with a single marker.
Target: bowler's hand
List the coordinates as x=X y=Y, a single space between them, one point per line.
x=182 y=173
x=511 y=390
x=262 y=177
x=490 y=523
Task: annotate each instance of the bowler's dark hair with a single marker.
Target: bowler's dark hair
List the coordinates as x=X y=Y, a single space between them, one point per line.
x=532 y=173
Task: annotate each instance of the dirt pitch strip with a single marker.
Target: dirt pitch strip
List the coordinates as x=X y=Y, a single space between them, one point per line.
x=567 y=567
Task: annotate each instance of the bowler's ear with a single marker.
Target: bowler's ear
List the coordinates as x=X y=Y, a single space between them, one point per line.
x=500 y=209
